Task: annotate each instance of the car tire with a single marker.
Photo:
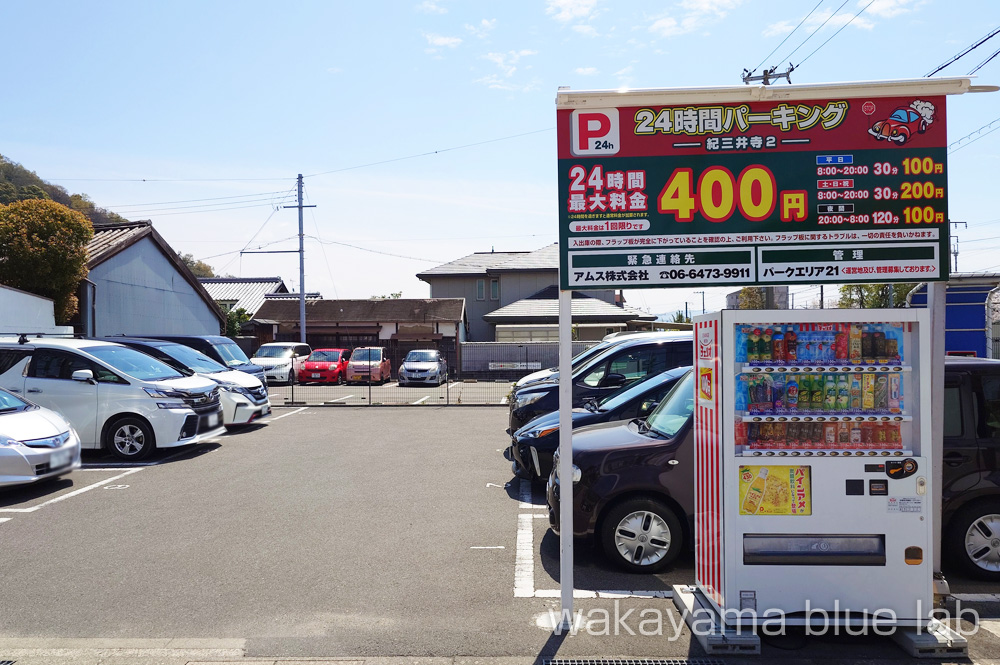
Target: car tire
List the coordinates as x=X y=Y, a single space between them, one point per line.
x=129 y=439
x=974 y=540
x=641 y=535
x=291 y=377
x=340 y=379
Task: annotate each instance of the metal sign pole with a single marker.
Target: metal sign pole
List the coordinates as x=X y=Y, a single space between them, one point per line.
x=566 y=455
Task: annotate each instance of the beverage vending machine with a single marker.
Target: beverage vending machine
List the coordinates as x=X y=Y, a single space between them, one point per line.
x=813 y=464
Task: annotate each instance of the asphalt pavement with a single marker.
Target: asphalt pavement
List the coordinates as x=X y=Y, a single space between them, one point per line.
x=337 y=533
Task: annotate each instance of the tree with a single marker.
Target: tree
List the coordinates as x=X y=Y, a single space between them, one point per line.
x=43 y=250
x=32 y=192
x=392 y=296
x=199 y=268
x=751 y=297
x=873 y=296
x=234 y=318
x=680 y=318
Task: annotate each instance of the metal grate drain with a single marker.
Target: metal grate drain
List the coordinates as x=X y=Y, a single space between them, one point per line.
x=633 y=661
x=6 y=662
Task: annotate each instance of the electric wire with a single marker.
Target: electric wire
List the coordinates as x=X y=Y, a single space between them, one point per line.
x=322 y=247
x=789 y=57
x=955 y=147
x=991 y=34
x=237 y=251
x=804 y=19
x=217 y=198
x=374 y=251
x=198 y=212
x=860 y=11
x=206 y=207
x=984 y=62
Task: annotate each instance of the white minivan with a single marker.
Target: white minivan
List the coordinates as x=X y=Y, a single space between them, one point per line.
x=115 y=397
x=282 y=361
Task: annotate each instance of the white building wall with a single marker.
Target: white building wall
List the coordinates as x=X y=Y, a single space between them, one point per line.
x=22 y=312
x=140 y=292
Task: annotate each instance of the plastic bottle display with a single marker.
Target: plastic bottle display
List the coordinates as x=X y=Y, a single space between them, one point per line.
x=827 y=393
x=751 y=502
x=828 y=436
x=820 y=343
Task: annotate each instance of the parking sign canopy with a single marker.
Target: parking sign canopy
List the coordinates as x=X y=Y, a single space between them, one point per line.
x=766 y=185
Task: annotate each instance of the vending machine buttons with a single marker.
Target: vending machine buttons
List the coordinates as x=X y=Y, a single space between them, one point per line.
x=855 y=487
x=878 y=487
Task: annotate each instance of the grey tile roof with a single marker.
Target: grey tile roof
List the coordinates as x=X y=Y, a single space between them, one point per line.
x=546 y=258
x=543 y=307
x=389 y=310
x=473 y=264
x=248 y=292
x=111 y=239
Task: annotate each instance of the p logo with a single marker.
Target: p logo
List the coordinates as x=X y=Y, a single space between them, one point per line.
x=594 y=132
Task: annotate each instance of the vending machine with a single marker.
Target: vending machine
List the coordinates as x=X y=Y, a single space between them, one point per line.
x=813 y=464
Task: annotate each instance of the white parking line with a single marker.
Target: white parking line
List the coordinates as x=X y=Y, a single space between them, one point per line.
x=70 y=494
x=421 y=400
x=339 y=399
x=524 y=561
x=488 y=547
x=524 y=495
x=290 y=413
x=5 y=519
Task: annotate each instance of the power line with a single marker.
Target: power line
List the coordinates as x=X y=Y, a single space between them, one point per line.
x=198 y=212
x=966 y=51
x=207 y=207
x=237 y=251
x=374 y=251
x=955 y=147
x=838 y=31
x=788 y=36
x=433 y=152
x=217 y=198
x=322 y=249
x=815 y=31
x=983 y=63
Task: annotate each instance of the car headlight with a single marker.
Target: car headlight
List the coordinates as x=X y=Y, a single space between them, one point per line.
x=523 y=400
x=152 y=392
x=7 y=441
x=233 y=388
x=539 y=433
x=577 y=474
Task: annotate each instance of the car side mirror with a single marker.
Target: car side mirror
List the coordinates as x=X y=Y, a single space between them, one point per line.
x=83 y=375
x=613 y=380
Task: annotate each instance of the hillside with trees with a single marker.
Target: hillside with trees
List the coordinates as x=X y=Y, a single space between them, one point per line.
x=19 y=184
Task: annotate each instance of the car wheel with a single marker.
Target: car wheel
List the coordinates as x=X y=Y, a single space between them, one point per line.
x=340 y=379
x=641 y=535
x=975 y=540
x=129 y=439
x=291 y=377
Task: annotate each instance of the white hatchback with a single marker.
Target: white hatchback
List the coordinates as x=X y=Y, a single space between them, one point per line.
x=35 y=443
x=115 y=397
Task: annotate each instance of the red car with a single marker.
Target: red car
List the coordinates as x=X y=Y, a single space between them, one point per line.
x=901 y=125
x=325 y=366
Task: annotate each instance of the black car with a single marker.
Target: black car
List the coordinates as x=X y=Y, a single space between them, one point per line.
x=619 y=365
x=218 y=348
x=634 y=484
x=646 y=468
x=532 y=446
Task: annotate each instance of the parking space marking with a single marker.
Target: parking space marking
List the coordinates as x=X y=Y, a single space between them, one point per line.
x=112 y=466
x=422 y=399
x=290 y=413
x=488 y=547
x=524 y=495
x=339 y=399
x=5 y=519
x=524 y=561
x=70 y=494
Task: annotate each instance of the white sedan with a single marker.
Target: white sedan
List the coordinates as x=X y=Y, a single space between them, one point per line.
x=35 y=443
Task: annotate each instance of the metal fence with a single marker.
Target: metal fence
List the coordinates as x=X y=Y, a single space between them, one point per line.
x=479 y=373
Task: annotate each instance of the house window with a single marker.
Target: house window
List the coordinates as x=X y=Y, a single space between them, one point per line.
x=480 y=289
x=494 y=289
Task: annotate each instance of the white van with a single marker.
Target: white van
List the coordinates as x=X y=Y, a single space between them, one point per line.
x=282 y=361
x=114 y=397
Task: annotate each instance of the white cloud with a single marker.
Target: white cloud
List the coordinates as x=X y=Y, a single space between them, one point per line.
x=696 y=15
x=431 y=7
x=586 y=30
x=586 y=71
x=625 y=71
x=568 y=10
x=441 y=40
x=495 y=82
x=779 y=28
x=507 y=62
x=483 y=29
x=887 y=8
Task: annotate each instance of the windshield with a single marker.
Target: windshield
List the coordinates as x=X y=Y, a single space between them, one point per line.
x=367 y=354
x=231 y=353
x=324 y=356
x=134 y=363
x=273 y=352
x=675 y=410
x=635 y=390
x=421 y=357
x=195 y=361
x=10 y=402
x=899 y=114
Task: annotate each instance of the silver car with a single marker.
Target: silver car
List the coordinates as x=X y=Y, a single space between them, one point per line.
x=35 y=443
x=423 y=367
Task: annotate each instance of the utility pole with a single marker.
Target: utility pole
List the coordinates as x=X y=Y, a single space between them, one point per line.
x=821 y=296
x=954 y=249
x=702 y=301
x=302 y=265
x=302 y=262
x=686 y=317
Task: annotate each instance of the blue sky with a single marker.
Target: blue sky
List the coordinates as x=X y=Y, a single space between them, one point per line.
x=150 y=107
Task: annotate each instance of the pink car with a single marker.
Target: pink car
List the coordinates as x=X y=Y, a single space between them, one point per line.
x=369 y=364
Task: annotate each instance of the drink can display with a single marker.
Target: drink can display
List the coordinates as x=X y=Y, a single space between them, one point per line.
x=778 y=345
x=856 y=393
x=764 y=348
x=843 y=435
x=840 y=343
x=829 y=435
x=830 y=393
x=895 y=394
x=815 y=435
x=778 y=394
x=753 y=346
x=816 y=391
x=856 y=436
x=792 y=394
x=791 y=345
x=868 y=435
x=854 y=343
x=843 y=402
x=881 y=436
x=868 y=393
x=895 y=440
x=882 y=393
x=792 y=434
x=866 y=346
